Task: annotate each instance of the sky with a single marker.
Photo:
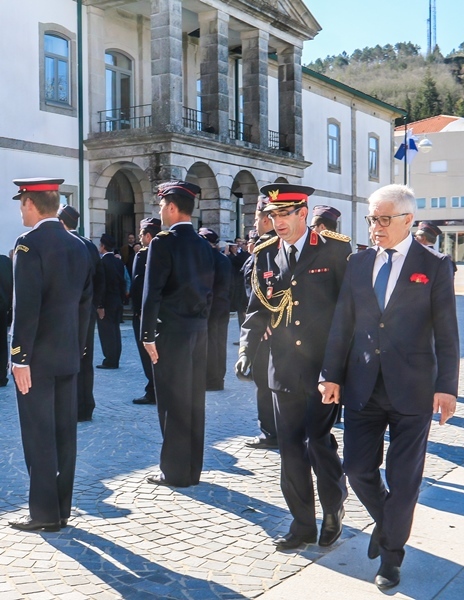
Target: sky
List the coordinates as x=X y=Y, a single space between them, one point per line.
x=350 y=24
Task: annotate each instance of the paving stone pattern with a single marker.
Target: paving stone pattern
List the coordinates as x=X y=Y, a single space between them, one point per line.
x=129 y=539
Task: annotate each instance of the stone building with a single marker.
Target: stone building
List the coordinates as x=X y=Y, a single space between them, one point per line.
x=122 y=94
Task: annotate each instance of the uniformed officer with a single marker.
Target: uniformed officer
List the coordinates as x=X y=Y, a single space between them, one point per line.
x=51 y=308
x=69 y=216
x=177 y=296
x=111 y=309
x=294 y=294
x=6 y=296
x=219 y=316
x=427 y=233
x=148 y=229
x=324 y=217
x=267 y=439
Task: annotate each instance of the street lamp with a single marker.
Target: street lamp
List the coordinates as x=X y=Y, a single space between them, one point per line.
x=425 y=145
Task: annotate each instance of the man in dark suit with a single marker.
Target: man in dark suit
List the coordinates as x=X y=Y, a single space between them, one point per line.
x=52 y=298
x=394 y=347
x=6 y=296
x=267 y=439
x=69 y=216
x=294 y=295
x=148 y=229
x=218 y=321
x=110 y=311
x=177 y=296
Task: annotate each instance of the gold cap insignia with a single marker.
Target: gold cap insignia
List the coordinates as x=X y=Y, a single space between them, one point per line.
x=274 y=194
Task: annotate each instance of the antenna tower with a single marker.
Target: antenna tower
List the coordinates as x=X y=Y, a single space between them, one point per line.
x=432 y=27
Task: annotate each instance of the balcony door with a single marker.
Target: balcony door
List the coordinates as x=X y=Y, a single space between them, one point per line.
x=120 y=217
x=118 y=91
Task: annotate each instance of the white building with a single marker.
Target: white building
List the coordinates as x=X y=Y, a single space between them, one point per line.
x=437 y=177
x=210 y=91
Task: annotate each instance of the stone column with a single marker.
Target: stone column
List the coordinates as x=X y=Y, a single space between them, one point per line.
x=166 y=65
x=96 y=66
x=216 y=215
x=290 y=109
x=214 y=69
x=255 y=84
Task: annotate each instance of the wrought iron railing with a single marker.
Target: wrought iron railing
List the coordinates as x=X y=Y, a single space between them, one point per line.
x=239 y=131
x=133 y=117
x=277 y=141
x=196 y=119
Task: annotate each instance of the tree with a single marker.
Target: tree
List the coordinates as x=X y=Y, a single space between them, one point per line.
x=428 y=103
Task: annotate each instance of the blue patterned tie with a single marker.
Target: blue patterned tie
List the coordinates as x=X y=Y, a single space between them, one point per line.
x=381 y=282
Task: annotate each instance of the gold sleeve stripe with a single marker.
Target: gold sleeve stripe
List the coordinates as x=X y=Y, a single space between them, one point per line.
x=16 y=350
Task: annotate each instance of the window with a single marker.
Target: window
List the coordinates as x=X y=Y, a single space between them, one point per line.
x=373 y=156
x=118 y=91
x=457 y=202
x=438 y=166
x=438 y=202
x=333 y=146
x=56 y=69
x=420 y=202
x=57 y=76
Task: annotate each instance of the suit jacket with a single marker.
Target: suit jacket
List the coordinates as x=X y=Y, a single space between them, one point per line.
x=138 y=277
x=296 y=348
x=115 y=284
x=6 y=283
x=414 y=342
x=52 y=298
x=178 y=287
x=220 y=306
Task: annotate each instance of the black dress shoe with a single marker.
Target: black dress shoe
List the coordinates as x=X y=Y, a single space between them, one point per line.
x=103 y=366
x=143 y=400
x=290 y=540
x=63 y=523
x=388 y=576
x=331 y=528
x=263 y=443
x=373 y=550
x=161 y=480
x=28 y=524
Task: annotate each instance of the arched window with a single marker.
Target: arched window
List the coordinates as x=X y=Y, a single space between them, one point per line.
x=57 y=80
x=333 y=146
x=373 y=156
x=118 y=90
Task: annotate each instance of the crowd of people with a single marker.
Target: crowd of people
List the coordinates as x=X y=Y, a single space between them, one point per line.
x=319 y=326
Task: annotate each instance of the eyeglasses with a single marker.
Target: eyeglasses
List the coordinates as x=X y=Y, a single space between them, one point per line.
x=283 y=213
x=383 y=221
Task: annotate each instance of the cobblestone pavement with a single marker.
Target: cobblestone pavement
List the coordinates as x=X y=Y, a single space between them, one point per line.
x=129 y=539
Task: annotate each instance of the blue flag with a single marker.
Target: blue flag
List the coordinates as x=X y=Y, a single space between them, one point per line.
x=407 y=151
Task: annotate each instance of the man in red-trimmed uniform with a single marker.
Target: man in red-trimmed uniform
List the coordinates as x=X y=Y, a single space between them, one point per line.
x=294 y=295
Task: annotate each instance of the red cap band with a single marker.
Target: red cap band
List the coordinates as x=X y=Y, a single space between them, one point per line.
x=39 y=187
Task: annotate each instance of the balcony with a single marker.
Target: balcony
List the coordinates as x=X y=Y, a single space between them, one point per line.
x=239 y=131
x=277 y=141
x=197 y=120
x=117 y=119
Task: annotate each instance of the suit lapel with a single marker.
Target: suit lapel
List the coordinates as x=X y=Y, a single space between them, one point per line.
x=365 y=286
x=413 y=262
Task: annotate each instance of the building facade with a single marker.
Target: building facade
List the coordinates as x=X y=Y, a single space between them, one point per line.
x=119 y=95
x=437 y=177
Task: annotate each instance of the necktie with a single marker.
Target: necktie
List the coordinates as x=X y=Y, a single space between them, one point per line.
x=381 y=282
x=292 y=250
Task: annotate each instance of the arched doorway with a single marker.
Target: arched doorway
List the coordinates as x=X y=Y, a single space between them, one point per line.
x=244 y=195
x=120 y=218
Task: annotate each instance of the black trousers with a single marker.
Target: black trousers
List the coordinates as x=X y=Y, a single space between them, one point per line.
x=392 y=505
x=180 y=382
x=147 y=365
x=48 y=420
x=85 y=398
x=305 y=443
x=110 y=335
x=266 y=420
x=3 y=347
x=217 y=350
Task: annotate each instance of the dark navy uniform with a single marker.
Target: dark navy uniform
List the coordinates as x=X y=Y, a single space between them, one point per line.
x=113 y=299
x=138 y=277
x=266 y=420
x=176 y=303
x=299 y=309
x=52 y=298
x=6 y=295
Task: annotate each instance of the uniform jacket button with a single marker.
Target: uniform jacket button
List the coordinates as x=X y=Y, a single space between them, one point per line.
x=298 y=342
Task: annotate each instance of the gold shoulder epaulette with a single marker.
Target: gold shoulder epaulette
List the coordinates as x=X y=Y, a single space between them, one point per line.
x=265 y=244
x=21 y=247
x=162 y=233
x=144 y=249
x=334 y=235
